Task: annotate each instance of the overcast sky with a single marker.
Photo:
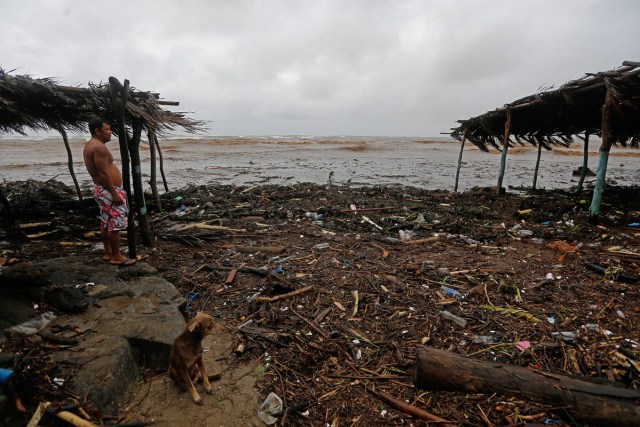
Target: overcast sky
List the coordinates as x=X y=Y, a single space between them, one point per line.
x=322 y=67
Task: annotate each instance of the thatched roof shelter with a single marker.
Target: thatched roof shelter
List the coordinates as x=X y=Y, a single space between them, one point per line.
x=605 y=104
x=555 y=116
x=42 y=104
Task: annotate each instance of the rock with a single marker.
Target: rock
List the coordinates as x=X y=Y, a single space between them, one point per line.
x=29 y=275
x=68 y=299
x=131 y=326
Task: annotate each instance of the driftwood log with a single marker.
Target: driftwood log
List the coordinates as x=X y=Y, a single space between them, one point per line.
x=588 y=401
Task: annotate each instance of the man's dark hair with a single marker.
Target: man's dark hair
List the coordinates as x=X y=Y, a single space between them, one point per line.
x=95 y=123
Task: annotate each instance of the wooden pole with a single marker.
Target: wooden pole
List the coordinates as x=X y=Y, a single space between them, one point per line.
x=464 y=137
x=164 y=179
x=136 y=174
x=535 y=173
x=151 y=134
x=505 y=147
x=70 y=162
x=585 y=162
x=587 y=401
x=607 y=140
x=121 y=104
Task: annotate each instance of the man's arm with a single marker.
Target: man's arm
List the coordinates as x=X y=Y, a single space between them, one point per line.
x=101 y=161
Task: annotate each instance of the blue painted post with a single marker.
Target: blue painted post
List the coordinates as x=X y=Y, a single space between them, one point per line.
x=607 y=139
x=505 y=147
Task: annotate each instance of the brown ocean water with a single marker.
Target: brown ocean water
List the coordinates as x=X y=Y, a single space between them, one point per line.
x=420 y=162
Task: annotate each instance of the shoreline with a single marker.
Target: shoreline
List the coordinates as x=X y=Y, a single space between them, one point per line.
x=420 y=163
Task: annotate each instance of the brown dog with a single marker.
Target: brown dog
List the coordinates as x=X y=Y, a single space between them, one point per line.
x=186 y=364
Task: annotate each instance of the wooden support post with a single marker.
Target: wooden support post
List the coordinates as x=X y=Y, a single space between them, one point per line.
x=119 y=94
x=164 y=179
x=70 y=162
x=607 y=140
x=136 y=174
x=151 y=134
x=535 y=173
x=464 y=137
x=585 y=163
x=584 y=399
x=505 y=147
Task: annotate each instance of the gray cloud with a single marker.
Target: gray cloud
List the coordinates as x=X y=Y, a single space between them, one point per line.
x=325 y=67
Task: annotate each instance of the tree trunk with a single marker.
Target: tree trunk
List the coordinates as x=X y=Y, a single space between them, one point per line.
x=588 y=401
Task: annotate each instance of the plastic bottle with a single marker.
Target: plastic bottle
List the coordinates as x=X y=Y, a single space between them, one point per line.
x=450 y=292
x=484 y=339
x=450 y=316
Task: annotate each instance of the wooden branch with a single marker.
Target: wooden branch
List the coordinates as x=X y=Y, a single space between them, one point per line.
x=409 y=409
x=311 y=324
x=584 y=399
x=287 y=295
x=390 y=208
x=251 y=270
x=74 y=419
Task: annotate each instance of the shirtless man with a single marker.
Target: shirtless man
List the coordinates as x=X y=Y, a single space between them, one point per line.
x=107 y=192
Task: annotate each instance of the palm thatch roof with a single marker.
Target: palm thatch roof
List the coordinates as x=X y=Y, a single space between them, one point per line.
x=42 y=104
x=553 y=117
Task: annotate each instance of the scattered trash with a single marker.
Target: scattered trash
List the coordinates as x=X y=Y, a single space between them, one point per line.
x=321 y=246
x=406 y=235
x=566 y=336
x=450 y=316
x=523 y=345
x=31 y=327
x=271 y=405
x=484 y=339
x=549 y=278
x=450 y=292
x=5 y=375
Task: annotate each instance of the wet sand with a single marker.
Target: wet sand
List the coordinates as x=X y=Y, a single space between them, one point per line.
x=418 y=162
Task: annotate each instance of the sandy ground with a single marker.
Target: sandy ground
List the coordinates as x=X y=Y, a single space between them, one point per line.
x=234 y=402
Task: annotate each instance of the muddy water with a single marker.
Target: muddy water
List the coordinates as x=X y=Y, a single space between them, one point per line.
x=425 y=163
